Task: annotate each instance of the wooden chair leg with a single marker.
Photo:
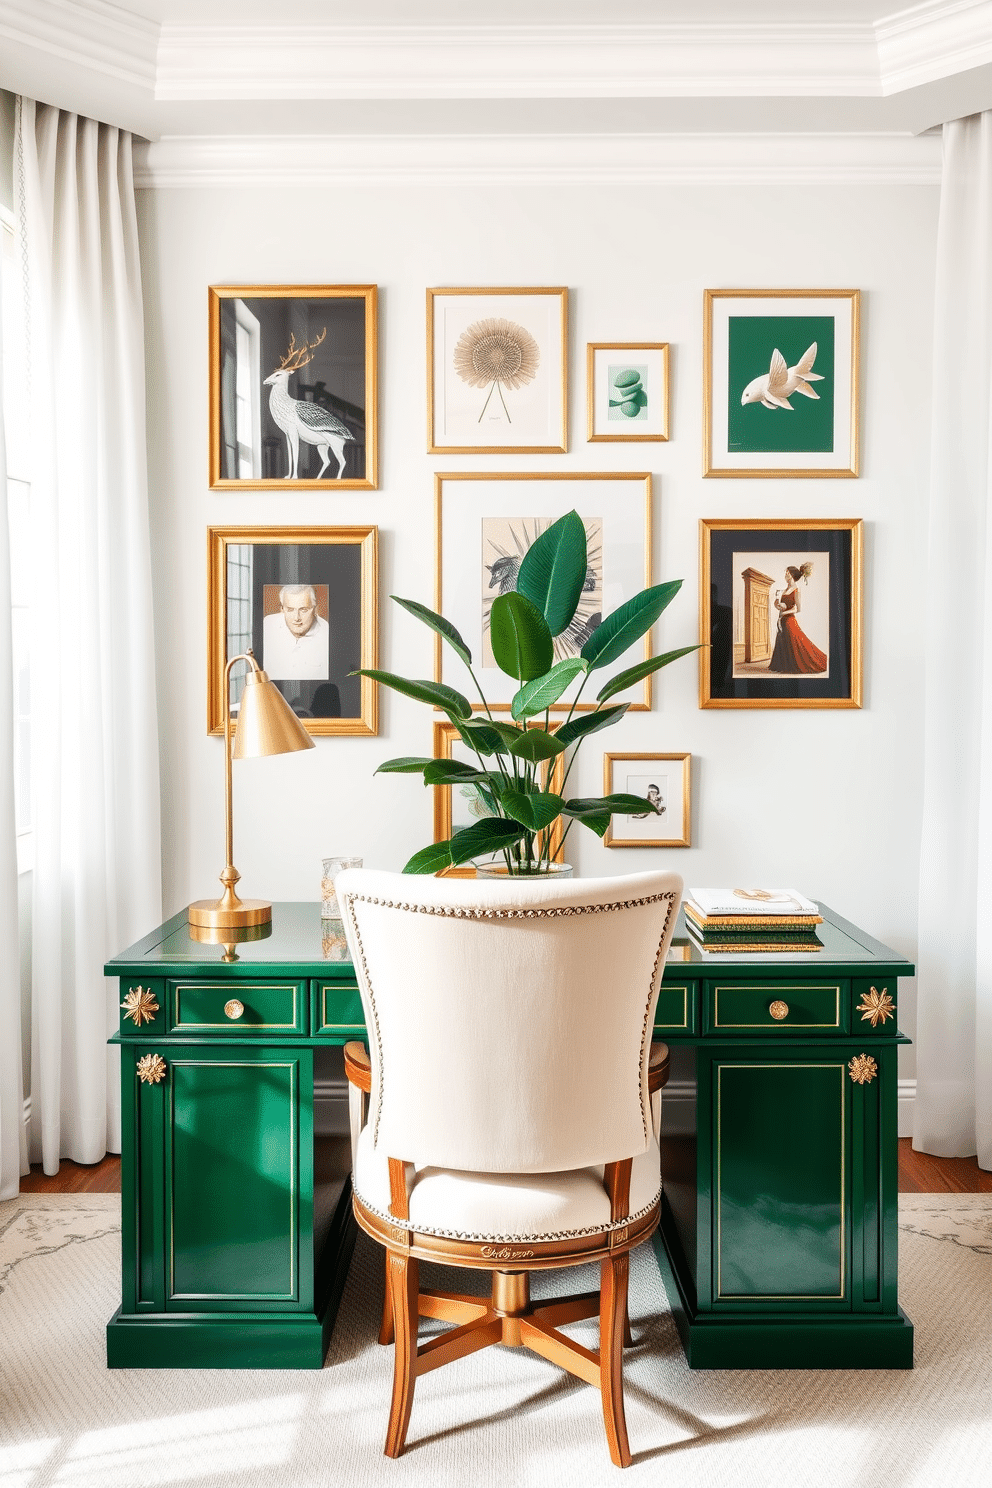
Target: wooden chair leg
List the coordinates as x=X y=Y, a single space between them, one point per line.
x=404 y=1286
x=386 y=1327
x=612 y=1316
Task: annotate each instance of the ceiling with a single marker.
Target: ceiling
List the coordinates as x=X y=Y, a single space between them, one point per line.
x=218 y=68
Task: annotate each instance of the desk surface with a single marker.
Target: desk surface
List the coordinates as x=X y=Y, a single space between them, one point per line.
x=300 y=939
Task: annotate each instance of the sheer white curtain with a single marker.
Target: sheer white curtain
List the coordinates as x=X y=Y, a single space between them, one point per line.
x=954 y=1027
x=97 y=876
x=13 y=1153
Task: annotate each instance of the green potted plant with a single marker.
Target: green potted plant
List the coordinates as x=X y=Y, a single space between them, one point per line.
x=512 y=755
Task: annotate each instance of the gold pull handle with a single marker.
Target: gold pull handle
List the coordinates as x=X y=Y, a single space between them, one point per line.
x=779 y=1010
x=876 y=1007
x=862 y=1069
x=234 y=1009
x=151 y=1069
x=140 y=1006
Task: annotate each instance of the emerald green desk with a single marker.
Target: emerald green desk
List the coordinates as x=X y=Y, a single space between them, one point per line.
x=778 y=1237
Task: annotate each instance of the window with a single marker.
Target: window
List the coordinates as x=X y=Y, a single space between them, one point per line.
x=16 y=427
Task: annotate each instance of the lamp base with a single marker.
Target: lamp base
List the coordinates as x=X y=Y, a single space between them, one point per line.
x=218 y=914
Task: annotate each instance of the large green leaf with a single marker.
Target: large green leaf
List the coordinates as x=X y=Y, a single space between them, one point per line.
x=590 y=723
x=537 y=745
x=437 y=693
x=553 y=571
x=484 y=837
x=633 y=674
x=626 y=625
x=430 y=859
x=534 y=809
x=589 y=812
x=450 y=772
x=487 y=736
x=437 y=623
x=534 y=697
x=622 y=804
x=520 y=638
x=407 y=764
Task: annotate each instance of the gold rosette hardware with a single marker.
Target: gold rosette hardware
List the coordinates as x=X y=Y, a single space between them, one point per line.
x=778 y=1010
x=140 y=1006
x=151 y=1069
x=876 y=1007
x=862 y=1069
x=234 y=1009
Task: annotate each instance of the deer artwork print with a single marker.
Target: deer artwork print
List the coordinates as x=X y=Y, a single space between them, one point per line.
x=299 y=419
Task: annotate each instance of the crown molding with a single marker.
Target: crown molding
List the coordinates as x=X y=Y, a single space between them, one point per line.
x=933 y=41
x=616 y=159
x=94 y=34
x=568 y=61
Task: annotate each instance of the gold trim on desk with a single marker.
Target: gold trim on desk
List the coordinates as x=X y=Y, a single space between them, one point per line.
x=245 y=990
x=775 y=992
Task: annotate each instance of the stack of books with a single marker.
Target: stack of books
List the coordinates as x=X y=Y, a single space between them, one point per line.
x=756 y=920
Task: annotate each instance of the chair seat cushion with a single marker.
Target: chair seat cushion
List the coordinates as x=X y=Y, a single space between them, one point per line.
x=502 y=1206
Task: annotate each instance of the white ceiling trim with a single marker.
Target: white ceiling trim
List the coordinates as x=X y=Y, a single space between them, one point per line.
x=90 y=33
x=933 y=41
x=690 y=160
x=202 y=63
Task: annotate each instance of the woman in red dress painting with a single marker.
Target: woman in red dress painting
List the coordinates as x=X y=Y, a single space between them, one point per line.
x=794 y=651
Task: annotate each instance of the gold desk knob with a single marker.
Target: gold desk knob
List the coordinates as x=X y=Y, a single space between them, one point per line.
x=140 y=1006
x=862 y=1069
x=234 y=1009
x=151 y=1069
x=779 y=1010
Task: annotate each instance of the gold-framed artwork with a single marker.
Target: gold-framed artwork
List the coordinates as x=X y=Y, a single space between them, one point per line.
x=780 y=382
x=664 y=780
x=497 y=371
x=456 y=807
x=780 y=612
x=293 y=377
x=484 y=523
x=306 y=601
x=627 y=391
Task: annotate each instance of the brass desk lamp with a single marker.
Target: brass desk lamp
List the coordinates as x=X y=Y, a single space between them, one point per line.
x=266 y=725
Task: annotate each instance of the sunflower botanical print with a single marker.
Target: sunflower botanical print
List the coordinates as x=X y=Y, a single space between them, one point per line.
x=496 y=354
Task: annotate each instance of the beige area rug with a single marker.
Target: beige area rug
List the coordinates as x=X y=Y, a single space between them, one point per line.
x=503 y=1417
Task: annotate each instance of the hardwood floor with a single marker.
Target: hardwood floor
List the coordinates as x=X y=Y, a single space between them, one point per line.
x=918 y=1173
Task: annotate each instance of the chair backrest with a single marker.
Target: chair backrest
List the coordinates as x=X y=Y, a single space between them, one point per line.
x=509 y=1022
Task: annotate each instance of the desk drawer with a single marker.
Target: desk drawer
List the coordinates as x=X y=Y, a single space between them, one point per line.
x=676 y=1010
x=750 y=1008
x=237 y=1008
x=337 y=1010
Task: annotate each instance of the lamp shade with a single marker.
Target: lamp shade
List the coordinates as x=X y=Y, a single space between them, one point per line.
x=266 y=723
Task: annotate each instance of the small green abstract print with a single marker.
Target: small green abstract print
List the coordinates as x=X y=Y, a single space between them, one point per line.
x=628 y=401
x=781 y=381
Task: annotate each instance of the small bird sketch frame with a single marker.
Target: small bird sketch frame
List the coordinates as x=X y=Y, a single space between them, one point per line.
x=451 y=815
x=780 y=383
x=661 y=778
x=293 y=386
x=781 y=612
x=305 y=600
x=497 y=371
x=627 y=395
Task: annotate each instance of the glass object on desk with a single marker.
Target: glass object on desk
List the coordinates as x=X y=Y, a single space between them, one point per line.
x=333 y=944
x=329 y=909
x=498 y=869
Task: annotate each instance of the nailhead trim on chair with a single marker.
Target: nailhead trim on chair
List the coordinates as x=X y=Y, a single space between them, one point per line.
x=420 y=1229
x=467 y=913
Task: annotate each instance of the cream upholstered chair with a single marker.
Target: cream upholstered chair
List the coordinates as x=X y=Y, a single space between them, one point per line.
x=504 y=1116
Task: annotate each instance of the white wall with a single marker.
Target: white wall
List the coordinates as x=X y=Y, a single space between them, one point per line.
x=826 y=801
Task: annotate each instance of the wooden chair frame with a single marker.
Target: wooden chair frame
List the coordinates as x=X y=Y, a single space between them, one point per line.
x=509 y=1317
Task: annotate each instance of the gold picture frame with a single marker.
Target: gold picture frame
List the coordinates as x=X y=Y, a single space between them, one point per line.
x=464 y=327
x=259 y=330
x=553 y=776
x=746 y=392
x=469 y=504
x=674 y=798
x=650 y=359
x=750 y=656
x=248 y=568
